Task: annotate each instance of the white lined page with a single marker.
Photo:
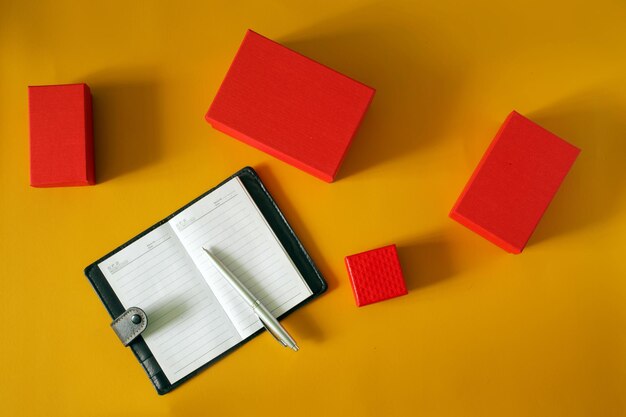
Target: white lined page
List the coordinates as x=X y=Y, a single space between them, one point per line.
x=229 y=223
x=187 y=326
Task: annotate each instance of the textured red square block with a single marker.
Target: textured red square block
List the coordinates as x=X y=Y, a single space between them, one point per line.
x=514 y=183
x=376 y=275
x=289 y=106
x=61 y=135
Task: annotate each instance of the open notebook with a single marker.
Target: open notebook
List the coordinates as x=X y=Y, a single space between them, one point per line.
x=194 y=315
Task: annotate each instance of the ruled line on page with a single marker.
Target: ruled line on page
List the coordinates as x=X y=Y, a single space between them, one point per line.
x=139 y=266
x=184 y=355
x=149 y=270
x=130 y=261
x=189 y=338
x=168 y=270
x=196 y=323
x=190 y=221
x=170 y=309
x=209 y=352
x=210 y=231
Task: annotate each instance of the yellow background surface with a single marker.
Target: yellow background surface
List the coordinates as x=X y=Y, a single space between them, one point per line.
x=481 y=332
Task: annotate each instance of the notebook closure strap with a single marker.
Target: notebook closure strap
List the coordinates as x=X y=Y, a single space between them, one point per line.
x=130 y=324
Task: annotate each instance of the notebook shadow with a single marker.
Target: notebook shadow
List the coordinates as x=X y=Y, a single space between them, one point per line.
x=593 y=189
x=414 y=93
x=274 y=188
x=126 y=123
x=426 y=262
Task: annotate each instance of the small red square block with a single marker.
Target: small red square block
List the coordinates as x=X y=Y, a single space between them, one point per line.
x=289 y=106
x=61 y=135
x=376 y=275
x=514 y=183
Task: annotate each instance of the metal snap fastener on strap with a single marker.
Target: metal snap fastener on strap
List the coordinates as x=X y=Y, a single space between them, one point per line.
x=130 y=324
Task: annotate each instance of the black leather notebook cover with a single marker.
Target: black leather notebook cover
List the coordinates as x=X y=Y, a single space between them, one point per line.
x=283 y=232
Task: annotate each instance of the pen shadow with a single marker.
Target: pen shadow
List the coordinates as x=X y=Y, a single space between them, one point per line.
x=593 y=191
x=415 y=93
x=126 y=123
x=304 y=327
x=277 y=193
x=426 y=262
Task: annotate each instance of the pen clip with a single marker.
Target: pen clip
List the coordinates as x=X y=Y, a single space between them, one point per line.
x=269 y=330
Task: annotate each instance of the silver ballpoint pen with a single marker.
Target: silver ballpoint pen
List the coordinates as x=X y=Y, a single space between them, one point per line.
x=271 y=324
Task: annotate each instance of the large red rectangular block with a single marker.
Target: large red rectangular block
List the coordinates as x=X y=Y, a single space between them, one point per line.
x=289 y=106
x=514 y=183
x=61 y=135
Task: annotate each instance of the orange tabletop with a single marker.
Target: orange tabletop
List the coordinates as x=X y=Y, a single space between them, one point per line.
x=480 y=333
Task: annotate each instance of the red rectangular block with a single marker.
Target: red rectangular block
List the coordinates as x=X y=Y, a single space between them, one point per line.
x=289 y=106
x=61 y=135
x=376 y=275
x=514 y=183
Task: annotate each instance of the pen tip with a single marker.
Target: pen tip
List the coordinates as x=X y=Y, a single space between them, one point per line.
x=295 y=348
